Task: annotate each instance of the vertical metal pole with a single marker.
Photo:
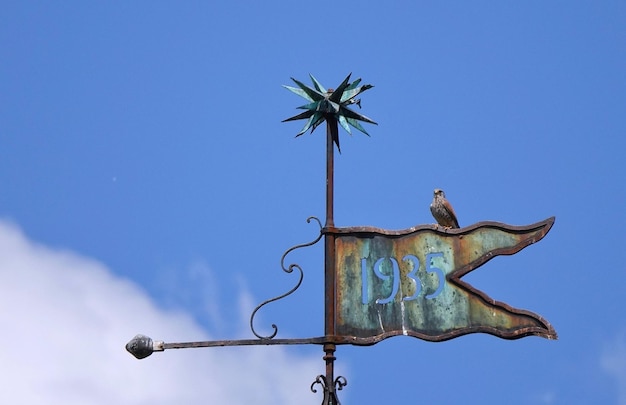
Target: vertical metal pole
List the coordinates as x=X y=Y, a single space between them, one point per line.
x=329 y=251
x=329 y=265
x=330 y=168
x=330 y=396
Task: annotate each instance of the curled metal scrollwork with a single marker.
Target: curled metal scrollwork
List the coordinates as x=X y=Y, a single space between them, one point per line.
x=330 y=396
x=340 y=382
x=321 y=380
x=286 y=270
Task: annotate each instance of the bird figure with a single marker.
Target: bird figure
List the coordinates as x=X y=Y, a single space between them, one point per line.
x=442 y=210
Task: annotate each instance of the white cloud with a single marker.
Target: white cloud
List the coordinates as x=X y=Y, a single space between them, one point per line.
x=66 y=318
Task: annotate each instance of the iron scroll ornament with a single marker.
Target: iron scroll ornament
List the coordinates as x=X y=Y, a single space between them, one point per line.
x=330 y=392
x=286 y=270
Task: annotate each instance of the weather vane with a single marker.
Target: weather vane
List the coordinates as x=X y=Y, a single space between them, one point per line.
x=381 y=283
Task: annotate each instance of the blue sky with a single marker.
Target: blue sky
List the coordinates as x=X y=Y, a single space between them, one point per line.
x=147 y=185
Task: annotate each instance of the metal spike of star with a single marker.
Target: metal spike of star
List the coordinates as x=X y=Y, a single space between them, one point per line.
x=330 y=106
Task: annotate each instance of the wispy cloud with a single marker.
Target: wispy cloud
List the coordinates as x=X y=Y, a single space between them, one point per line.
x=545 y=397
x=613 y=361
x=191 y=286
x=65 y=319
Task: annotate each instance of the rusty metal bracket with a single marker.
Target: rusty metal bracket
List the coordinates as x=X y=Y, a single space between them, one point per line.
x=142 y=346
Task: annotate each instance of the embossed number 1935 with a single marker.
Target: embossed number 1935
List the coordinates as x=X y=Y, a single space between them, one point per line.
x=395 y=278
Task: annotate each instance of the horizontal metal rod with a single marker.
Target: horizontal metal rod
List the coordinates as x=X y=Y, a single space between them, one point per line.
x=159 y=346
x=142 y=346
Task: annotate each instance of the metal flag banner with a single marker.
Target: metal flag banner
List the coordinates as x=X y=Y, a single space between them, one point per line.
x=408 y=282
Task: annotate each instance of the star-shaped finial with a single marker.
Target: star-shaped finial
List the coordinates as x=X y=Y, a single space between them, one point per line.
x=330 y=106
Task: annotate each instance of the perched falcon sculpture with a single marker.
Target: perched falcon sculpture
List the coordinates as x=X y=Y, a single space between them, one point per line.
x=442 y=210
